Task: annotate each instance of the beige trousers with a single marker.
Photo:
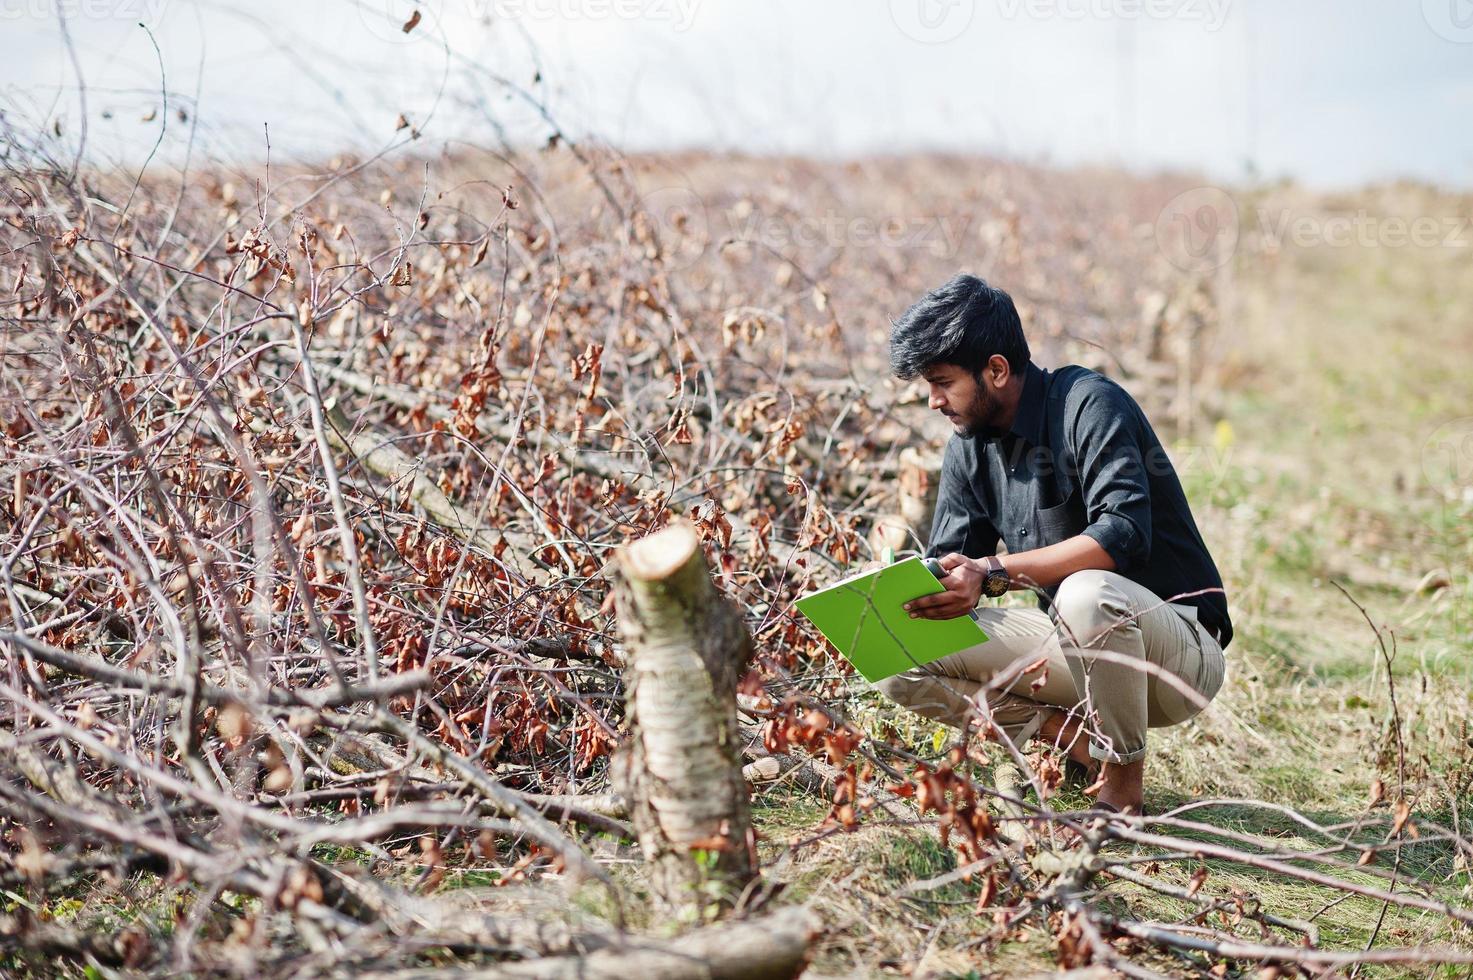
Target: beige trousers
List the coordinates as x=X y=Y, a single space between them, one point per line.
x=1109 y=647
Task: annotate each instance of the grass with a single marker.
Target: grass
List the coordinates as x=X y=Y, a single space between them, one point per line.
x=1349 y=360
x=1346 y=361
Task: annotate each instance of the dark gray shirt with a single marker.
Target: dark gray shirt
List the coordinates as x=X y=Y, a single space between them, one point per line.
x=1081 y=458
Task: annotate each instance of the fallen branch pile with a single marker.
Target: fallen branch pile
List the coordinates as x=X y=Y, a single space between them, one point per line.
x=311 y=514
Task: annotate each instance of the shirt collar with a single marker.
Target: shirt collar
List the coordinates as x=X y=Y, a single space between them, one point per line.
x=1028 y=422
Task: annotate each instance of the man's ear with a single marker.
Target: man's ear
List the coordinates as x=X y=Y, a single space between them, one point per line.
x=998 y=371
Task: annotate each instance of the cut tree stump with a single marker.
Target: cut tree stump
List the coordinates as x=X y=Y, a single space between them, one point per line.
x=681 y=768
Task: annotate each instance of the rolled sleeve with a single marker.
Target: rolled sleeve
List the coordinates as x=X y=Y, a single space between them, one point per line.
x=1107 y=431
x=1120 y=539
x=961 y=525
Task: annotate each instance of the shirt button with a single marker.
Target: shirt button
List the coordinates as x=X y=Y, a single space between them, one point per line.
x=1023 y=532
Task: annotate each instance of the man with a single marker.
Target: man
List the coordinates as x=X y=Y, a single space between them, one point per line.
x=1064 y=468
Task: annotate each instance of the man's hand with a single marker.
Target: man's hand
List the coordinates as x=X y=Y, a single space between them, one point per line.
x=963 y=583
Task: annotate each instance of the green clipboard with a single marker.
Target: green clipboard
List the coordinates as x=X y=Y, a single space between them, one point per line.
x=862 y=616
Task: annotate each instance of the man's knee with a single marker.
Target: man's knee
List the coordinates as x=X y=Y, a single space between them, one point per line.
x=905 y=688
x=919 y=691
x=1088 y=604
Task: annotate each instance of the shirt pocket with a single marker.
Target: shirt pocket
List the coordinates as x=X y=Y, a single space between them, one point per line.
x=1061 y=521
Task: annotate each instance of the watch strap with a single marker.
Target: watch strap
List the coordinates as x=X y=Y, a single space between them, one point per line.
x=996 y=574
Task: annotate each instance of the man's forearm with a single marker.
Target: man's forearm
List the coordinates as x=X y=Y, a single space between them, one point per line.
x=1049 y=566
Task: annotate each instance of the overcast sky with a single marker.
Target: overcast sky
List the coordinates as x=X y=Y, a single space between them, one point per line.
x=1333 y=92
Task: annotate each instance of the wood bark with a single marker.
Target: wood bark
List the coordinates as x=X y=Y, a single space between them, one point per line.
x=775 y=947
x=909 y=527
x=680 y=769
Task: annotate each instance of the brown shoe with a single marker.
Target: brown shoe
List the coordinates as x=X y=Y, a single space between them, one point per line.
x=1080 y=775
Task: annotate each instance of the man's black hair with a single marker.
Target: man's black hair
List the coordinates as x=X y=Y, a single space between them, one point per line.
x=964 y=323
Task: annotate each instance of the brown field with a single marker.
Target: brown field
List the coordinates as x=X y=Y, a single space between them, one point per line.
x=370 y=432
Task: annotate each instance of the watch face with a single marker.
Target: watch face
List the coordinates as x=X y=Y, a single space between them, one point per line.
x=996 y=584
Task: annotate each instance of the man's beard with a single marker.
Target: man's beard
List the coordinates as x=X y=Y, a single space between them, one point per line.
x=982 y=416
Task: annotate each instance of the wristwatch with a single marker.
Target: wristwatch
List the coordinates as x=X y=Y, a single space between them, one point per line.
x=996 y=581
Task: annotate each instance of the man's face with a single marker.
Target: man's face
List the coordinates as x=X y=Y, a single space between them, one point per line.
x=956 y=393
